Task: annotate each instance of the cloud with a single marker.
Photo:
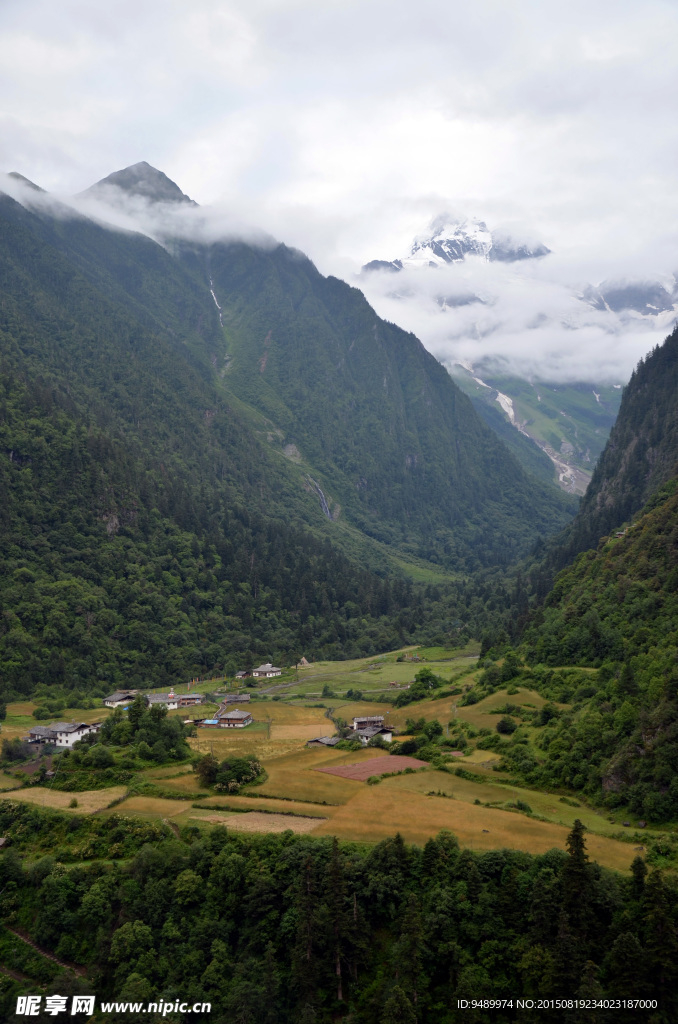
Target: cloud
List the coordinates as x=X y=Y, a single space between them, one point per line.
x=529 y=318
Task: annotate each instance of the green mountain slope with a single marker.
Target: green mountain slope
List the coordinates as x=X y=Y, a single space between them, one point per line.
x=641 y=453
x=391 y=439
x=616 y=608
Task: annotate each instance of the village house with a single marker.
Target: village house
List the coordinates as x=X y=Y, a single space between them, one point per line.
x=266 y=671
x=242 y=674
x=188 y=700
x=324 y=741
x=169 y=700
x=62 y=734
x=238 y=698
x=234 y=719
x=365 y=735
x=368 y=722
x=120 y=699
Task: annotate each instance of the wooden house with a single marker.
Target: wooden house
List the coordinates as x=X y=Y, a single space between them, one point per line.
x=368 y=722
x=234 y=719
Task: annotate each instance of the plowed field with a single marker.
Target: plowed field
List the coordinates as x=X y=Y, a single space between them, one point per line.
x=362 y=770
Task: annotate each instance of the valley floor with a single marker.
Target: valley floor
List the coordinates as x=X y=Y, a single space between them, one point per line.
x=478 y=805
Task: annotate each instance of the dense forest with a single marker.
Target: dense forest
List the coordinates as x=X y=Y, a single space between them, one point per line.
x=287 y=929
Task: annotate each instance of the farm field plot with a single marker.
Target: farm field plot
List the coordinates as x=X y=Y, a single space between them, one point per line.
x=7 y=782
x=291 y=776
x=301 y=732
x=225 y=743
x=377 y=812
x=227 y=801
x=88 y=801
x=255 y=821
x=362 y=770
x=167 y=770
x=545 y=804
x=279 y=713
x=182 y=784
x=481 y=757
x=150 y=806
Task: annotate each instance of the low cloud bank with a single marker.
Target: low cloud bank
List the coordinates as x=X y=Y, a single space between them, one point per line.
x=535 y=318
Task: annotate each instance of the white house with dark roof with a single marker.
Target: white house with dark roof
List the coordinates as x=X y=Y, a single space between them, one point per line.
x=168 y=700
x=62 y=734
x=267 y=671
x=120 y=699
x=365 y=735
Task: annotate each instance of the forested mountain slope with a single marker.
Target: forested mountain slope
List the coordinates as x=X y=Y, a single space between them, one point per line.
x=392 y=440
x=616 y=608
x=641 y=453
x=134 y=543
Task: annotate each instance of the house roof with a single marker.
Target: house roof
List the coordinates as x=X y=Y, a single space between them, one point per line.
x=266 y=668
x=41 y=730
x=236 y=713
x=121 y=695
x=68 y=726
x=327 y=741
x=371 y=731
x=161 y=698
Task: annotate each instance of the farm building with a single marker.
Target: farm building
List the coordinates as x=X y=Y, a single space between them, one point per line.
x=324 y=741
x=120 y=699
x=266 y=671
x=238 y=698
x=242 y=674
x=365 y=735
x=368 y=722
x=234 y=719
x=169 y=700
x=203 y=723
x=187 y=700
x=62 y=734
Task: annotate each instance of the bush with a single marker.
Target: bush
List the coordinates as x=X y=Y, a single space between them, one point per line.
x=15 y=750
x=506 y=725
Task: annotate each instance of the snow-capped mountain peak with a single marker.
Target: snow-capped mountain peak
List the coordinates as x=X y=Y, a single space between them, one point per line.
x=449 y=240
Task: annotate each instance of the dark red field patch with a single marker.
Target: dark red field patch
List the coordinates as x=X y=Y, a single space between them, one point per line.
x=362 y=770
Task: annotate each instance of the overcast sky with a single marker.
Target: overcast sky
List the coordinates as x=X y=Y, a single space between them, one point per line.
x=344 y=126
